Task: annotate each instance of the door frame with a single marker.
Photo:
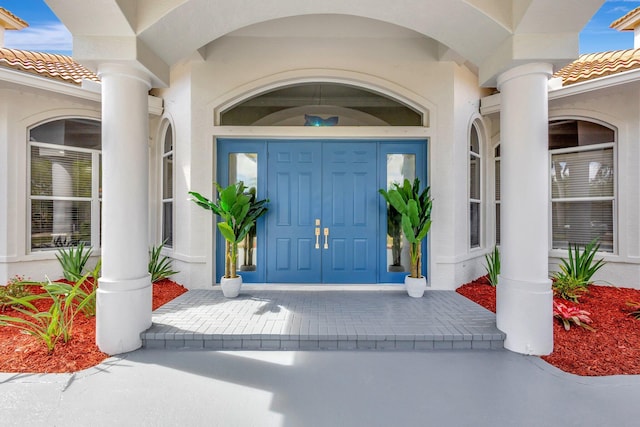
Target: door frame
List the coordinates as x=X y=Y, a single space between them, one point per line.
x=228 y=145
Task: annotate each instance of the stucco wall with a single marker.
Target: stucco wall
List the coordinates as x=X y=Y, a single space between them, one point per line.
x=21 y=108
x=618 y=107
x=235 y=67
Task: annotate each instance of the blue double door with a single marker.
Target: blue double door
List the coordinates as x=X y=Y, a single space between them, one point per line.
x=323 y=220
x=326 y=222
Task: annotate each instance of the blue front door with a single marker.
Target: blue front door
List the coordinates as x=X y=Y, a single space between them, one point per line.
x=324 y=212
x=326 y=221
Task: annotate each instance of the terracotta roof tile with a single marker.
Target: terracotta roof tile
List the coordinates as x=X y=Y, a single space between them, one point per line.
x=5 y=12
x=594 y=65
x=60 y=67
x=631 y=16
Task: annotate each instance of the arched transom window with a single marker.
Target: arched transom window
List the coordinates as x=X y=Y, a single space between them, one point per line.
x=321 y=104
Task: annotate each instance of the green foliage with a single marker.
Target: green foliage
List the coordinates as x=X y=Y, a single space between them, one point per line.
x=493 y=266
x=56 y=323
x=569 y=288
x=394 y=230
x=14 y=289
x=73 y=260
x=239 y=212
x=415 y=207
x=575 y=274
x=159 y=265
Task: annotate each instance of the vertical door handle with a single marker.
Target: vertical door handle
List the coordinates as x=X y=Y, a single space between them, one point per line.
x=326 y=238
x=317 y=237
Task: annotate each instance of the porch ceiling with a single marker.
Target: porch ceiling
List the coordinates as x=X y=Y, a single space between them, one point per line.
x=492 y=35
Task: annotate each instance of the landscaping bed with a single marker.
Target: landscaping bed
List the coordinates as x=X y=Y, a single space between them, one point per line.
x=613 y=348
x=24 y=353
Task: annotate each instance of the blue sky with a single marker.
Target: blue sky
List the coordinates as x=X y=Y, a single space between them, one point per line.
x=46 y=33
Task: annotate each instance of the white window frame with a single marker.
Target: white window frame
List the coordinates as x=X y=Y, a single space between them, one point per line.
x=168 y=127
x=614 y=199
x=478 y=127
x=496 y=199
x=95 y=199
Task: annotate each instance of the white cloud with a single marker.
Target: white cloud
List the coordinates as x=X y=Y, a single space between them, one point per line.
x=46 y=37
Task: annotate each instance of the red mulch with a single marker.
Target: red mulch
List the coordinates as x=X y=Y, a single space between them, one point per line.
x=24 y=353
x=613 y=349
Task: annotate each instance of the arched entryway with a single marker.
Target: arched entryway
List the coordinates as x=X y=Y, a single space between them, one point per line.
x=327 y=222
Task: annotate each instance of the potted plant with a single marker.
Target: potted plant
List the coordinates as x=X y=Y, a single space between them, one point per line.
x=249 y=240
x=415 y=207
x=239 y=212
x=394 y=230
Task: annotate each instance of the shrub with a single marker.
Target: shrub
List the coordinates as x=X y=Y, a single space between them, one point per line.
x=493 y=266
x=159 y=265
x=83 y=292
x=575 y=273
x=73 y=260
x=569 y=288
x=568 y=315
x=56 y=323
x=15 y=288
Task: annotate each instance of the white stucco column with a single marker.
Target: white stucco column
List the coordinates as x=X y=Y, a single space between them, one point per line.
x=124 y=293
x=524 y=296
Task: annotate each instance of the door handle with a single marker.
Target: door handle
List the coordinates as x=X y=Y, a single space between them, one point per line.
x=326 y=238
x=317 y=233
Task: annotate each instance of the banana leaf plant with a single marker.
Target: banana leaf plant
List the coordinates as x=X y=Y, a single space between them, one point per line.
x=239 y=212
x=251 y=235
x=415 y=207
x=394 y=230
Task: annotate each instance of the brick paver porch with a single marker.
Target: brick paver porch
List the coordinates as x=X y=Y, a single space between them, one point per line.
x=323 y=318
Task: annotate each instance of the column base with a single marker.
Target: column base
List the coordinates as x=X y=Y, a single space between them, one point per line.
x=123 y=312
x=524 y=311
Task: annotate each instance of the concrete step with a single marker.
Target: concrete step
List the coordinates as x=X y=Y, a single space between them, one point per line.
x=335 y=318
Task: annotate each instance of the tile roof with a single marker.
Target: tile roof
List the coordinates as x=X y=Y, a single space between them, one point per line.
x=59 y=67
x=629 y=18
x=12 y=17
x=595 y=65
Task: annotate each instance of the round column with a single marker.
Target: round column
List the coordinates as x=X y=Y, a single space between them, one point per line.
x=524 y=308
x=124 y=293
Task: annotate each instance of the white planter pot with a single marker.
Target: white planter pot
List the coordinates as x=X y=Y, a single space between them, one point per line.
x=231 y=286
x=415 y=287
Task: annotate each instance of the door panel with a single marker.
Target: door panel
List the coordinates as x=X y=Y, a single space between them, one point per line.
x=293 y=173
x=350 y=206
x=336 y=183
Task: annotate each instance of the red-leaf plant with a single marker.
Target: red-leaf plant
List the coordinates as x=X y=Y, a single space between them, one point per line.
x=568 y=315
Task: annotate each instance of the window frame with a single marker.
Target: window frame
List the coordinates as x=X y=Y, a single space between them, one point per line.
x=497 y=198
x=477 y=125
x=95 y=199
x=168 y=128
x=613 y=145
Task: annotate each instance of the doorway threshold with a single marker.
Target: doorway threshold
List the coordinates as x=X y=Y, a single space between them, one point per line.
x=322 y=287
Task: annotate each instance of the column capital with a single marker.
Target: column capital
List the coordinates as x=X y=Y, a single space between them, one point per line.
x=109 y=69
x=543 y=68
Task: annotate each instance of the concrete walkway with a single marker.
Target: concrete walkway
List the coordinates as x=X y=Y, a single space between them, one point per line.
x=321 y=388
x=350 y=317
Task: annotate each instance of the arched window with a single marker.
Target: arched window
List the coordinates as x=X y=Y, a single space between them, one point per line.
x=475 y=188
x=167 y=187
x=496 y=157
x=321 y=104
x=65 y=183
x=583 y=183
